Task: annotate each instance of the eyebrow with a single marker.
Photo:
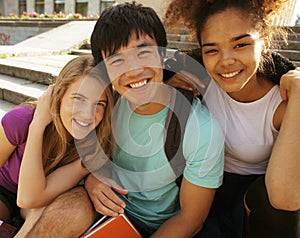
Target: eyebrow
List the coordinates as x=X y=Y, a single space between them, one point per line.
x=236 y=38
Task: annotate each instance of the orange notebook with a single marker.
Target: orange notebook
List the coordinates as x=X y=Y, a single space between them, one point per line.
x=114 y=227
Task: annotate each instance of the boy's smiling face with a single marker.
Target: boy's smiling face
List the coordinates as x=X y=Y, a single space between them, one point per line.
x=136 y=70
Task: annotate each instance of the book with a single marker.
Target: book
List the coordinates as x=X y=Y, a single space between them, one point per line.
x=6 y=230
x=113 y=227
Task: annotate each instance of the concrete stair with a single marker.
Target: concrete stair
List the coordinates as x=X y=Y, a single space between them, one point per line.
x=26 y=78
x=27 y=68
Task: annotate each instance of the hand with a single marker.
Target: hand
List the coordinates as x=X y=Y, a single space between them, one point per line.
x=42 y=114
x=186 y=80
x=288 y=82
x=102 y=194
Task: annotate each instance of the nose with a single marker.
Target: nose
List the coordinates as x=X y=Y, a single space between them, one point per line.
x=133 y=66
x=227 y=58
x=88 y=111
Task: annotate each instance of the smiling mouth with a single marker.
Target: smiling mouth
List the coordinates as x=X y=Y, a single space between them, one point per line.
x=138 y=84
x=81 y=123
x=230 y=75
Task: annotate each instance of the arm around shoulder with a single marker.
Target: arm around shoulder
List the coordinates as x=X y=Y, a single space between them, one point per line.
x=282 y=176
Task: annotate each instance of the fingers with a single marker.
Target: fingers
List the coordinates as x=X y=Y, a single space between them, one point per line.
x=106 y=201
x=193 y=78
x=102 y=193
x=289 y=81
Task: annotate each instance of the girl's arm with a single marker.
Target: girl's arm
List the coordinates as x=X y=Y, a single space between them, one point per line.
x=6 y=148
x=34 y=189
x=283 y=172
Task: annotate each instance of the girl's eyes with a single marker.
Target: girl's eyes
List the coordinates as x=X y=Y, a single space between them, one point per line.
x=101 y=104
x=214 y=51
x=241 y=45
x=78 y=98
x=210 y=51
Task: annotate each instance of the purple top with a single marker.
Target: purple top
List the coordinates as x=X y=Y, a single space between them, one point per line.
x=15 y=124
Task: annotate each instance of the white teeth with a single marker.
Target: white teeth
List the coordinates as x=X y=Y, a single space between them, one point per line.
x=81 y=123
x=138 y=84
x=230 y=74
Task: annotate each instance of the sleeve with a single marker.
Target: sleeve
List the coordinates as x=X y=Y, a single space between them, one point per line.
x=204 y=150
x=15 y=124
x=275 y=65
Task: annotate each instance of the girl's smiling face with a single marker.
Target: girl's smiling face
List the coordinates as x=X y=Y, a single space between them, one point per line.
x=231 y=50
x=83 y=106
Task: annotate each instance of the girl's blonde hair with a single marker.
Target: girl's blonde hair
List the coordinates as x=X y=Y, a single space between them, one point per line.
x=57 y=150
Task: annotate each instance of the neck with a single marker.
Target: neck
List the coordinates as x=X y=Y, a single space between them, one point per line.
x=255 y=89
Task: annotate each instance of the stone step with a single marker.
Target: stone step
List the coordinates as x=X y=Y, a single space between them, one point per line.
x=294 y=36
x=81 y=52
x=292 y=45
x=16 y=90
x=42 y=69
x=296 y=29
x=182 y=45
x=293 y=55
x=5 y=107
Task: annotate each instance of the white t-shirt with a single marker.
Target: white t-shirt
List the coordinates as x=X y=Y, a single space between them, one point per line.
x=248 y=128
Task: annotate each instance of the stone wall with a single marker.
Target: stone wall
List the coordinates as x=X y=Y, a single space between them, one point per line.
x=20 y=30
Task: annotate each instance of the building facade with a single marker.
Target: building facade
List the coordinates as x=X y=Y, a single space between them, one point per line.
x=85 y=7
x=95 y=7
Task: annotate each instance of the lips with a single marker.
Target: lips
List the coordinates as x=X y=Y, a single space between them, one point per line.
x=138 y=84
x=231 y=74
x=82 y=123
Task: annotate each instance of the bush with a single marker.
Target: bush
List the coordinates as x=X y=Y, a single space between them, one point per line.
x=59 y=15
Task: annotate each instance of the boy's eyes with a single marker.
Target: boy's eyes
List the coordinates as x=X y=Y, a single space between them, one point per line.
x=141 y=52
x=115 y=62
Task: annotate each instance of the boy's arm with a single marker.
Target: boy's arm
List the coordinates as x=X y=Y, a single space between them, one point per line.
x=195 y=202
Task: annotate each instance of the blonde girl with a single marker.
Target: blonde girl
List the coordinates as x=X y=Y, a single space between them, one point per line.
x=79 y=104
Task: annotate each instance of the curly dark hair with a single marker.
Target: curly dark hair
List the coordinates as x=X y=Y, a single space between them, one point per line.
x=195 y=14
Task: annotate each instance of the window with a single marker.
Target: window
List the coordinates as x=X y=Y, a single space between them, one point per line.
x=105 y=4
x=59 y=6
x=39 y=6
x=82 y=7
x=22 y=7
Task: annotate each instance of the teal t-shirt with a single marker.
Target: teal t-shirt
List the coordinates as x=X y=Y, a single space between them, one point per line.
x=141 y=166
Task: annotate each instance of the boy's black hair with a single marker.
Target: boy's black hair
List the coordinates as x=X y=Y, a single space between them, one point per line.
x=117 y=23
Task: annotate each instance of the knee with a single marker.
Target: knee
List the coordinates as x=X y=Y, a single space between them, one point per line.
x=280 y=201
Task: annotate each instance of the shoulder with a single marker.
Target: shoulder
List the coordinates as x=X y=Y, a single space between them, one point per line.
x=203 y=130
x=19 y=114
x=16 y=122
x=201 y=116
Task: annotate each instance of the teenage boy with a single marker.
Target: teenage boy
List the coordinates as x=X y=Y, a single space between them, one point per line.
x=131 y=39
